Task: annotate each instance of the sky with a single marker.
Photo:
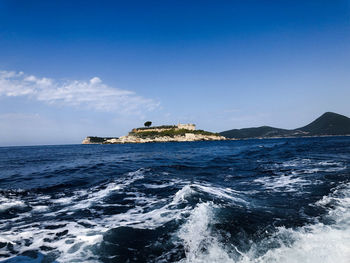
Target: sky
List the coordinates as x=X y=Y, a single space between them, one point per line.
x=71 y=69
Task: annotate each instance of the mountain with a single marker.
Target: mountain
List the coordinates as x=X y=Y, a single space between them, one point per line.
x=328 y=124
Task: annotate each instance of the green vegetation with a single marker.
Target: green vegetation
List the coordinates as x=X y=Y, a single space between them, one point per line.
x=95 y=139
x=169 y=133
x=329 y=123
x=256 y=132
x=148 y=124
x=157 y=127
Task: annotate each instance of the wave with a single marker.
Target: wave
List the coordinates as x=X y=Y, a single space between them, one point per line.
x=74 y=224
x=78 y=239
x=72 y=239
x=319 y=242
x=286 y=183
x=10 y=203
x=199 y=242
x=312 y=166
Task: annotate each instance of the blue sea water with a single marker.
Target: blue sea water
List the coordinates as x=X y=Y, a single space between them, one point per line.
x=278 y=200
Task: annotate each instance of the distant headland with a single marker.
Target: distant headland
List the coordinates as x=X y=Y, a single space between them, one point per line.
x=329 y=124
x=164 y=133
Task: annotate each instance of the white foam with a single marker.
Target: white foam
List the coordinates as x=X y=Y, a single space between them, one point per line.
x=8 y=203
x=287 y=183
x=76 y=244
x=298 y=177
x=312 y=243
x=296 y=162
x=330 y=163
x=63 y=200
x=199 y=243
x=149 y=212
x=87 y=198
x=316 y=242
x=40 y=208
x=310 y=166
x=221 y=193
x=158 y=186
x=182 y=194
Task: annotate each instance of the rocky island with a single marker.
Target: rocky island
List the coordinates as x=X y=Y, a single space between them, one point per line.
x=165 y=133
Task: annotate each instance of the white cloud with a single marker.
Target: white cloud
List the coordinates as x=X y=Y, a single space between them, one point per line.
x=92 y=94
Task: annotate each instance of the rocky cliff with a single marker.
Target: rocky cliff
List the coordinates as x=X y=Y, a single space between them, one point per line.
x=187 y=137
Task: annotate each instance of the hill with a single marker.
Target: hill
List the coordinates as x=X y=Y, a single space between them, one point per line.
x=328 y=124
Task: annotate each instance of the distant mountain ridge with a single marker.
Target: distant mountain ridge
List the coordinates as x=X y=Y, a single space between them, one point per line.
x=329 y=123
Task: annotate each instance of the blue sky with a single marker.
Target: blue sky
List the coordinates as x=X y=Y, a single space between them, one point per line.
x=75 y=68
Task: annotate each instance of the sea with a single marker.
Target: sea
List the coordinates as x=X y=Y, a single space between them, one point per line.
x=273 y=200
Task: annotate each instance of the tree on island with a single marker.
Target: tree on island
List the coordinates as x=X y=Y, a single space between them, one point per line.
x=148 y=124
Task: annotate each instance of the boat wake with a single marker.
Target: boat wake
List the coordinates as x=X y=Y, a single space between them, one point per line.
x=248 y=206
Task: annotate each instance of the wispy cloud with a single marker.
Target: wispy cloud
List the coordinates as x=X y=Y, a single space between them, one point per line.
x=92 y=94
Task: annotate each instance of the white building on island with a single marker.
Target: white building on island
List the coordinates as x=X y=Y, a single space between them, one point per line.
x=188 y=126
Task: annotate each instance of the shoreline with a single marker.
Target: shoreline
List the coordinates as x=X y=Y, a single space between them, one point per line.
x=227 y=139
x=287 y=137
x=188 y=137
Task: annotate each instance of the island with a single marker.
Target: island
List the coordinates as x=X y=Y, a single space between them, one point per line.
x=164 y=133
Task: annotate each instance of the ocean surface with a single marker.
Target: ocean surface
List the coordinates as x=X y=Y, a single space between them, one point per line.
x=277 y=200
